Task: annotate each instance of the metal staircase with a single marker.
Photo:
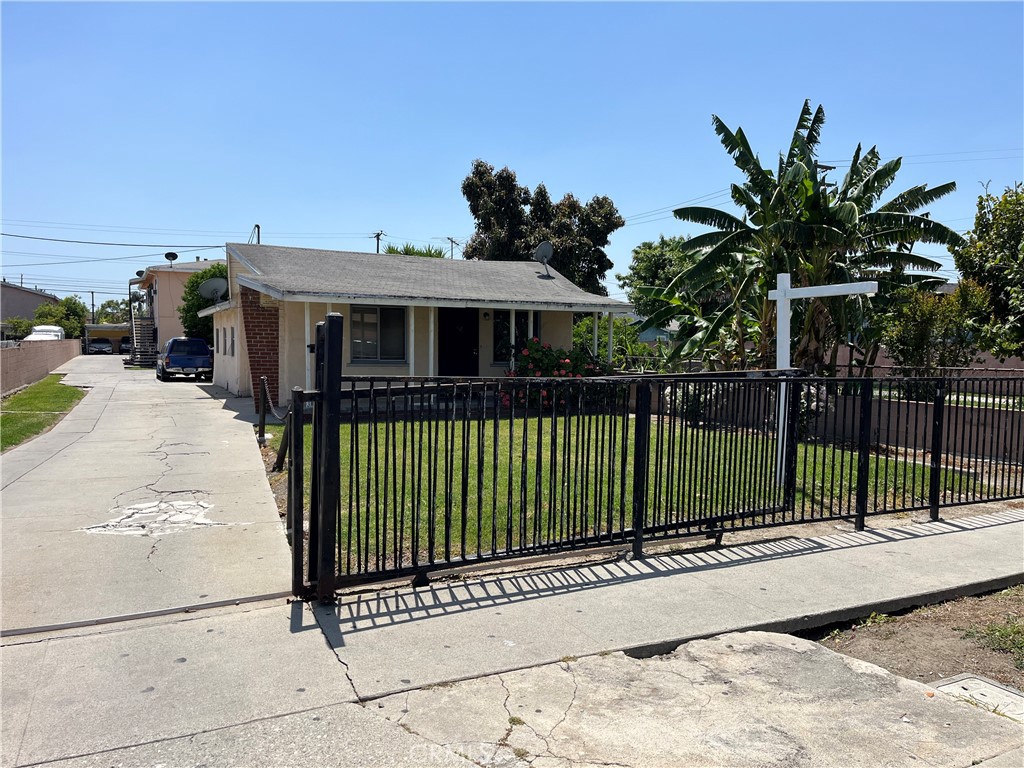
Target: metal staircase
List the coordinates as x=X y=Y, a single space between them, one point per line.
x=143 y=341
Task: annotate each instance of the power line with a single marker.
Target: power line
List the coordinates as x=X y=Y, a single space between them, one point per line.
x=93 y=242
x=680 y=205
x=108 y=258
x=945 y=154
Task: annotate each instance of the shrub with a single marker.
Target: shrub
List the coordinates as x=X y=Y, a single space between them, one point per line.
x=539 y=360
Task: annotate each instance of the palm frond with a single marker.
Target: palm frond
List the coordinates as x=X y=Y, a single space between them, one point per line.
x=705 y=242
x=900 y=259
x=814 y=129
x=917 y=197
x=710 y=217
x=705 y=271
x=802 y=124
x=891 y=228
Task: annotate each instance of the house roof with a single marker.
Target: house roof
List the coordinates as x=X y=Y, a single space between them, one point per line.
x=34 y=291
x=184 y=267
x=306 y=274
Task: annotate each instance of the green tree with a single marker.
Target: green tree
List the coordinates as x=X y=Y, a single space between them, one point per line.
x=924 y=331
x=113 y=311
x=511 y=222
x=18 y=327
x=654 y=264
x=794 y=220
x=408 y=249
x=192 y=302
x=70 y=313
x=993 y=255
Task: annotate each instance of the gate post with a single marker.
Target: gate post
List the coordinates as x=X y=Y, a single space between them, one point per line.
x=296 y=491
x=314 y=490
x=330 y=457
x=935 y=486
x=863 y=444
x=792 y=437
x=641 y=451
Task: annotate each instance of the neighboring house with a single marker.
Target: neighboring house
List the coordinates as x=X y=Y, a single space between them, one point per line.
x=161 y=288
x=18 y=301
x=404 y=315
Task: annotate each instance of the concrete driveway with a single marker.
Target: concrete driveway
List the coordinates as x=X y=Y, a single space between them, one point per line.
x=147 y=496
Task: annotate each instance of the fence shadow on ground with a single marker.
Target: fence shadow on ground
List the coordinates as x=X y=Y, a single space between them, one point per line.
x=363 y=612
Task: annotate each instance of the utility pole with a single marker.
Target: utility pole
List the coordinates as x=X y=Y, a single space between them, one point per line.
x=454 y=242
x=92 y=296
x=378 y=235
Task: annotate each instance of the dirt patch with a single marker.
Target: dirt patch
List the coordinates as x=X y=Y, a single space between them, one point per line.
x=278 y=480
x=936 y=641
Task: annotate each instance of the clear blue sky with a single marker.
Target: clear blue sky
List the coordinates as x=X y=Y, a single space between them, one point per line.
x=187 y=123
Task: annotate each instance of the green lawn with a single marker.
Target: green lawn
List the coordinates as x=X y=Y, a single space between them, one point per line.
x=487 y=485
x=34 y=409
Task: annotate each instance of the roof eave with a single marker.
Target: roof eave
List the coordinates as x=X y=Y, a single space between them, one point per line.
x=426 y=301
x=219 y=307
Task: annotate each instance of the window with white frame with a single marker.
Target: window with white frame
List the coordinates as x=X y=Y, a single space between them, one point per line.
x=502 y=338
x=377 y=334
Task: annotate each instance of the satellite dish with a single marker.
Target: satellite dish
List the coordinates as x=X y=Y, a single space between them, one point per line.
x=543 y=253
x=140 y=273
x=215 y=289
x=171 y=256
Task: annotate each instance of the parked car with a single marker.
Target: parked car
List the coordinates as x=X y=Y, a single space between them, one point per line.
x=100 y=347
x=184 y=357
x=125 y=346
x=45 y=333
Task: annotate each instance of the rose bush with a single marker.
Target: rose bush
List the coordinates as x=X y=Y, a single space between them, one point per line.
x=539 y=360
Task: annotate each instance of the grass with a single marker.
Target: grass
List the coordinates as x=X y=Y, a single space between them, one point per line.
x=35 y=409
x=452 y=488
x=1006 y=636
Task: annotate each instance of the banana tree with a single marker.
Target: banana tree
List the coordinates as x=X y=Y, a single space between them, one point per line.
x=794 y=220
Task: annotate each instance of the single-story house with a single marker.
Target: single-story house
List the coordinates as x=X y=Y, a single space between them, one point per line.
x=404 y=315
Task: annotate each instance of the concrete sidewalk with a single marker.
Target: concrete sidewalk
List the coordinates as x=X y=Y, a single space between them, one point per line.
x=243 y=683
x=397 y=640
x=148 y=495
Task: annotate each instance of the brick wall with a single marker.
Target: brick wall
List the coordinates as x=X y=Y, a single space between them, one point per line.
x=261 y=341
x=33 y=361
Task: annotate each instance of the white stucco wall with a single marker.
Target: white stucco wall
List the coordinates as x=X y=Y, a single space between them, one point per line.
x=230 y=370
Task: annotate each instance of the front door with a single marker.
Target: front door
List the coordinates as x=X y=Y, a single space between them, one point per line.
x=458 y=345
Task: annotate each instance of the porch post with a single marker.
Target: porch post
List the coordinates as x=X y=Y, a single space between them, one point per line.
x=529 y=324
x=305 y=356
x=597 y=319
x=512 y=338
x=431 y=314
x=611 y=334
x=412 y=341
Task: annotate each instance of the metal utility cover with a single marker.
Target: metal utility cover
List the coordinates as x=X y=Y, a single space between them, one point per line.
x=988 y=693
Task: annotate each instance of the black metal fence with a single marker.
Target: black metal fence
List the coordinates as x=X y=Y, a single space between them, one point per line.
x=403 y=476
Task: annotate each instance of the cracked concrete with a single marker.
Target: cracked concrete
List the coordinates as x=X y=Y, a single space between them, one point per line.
x=158 y=518
x=752 y=698
x=152 y=461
